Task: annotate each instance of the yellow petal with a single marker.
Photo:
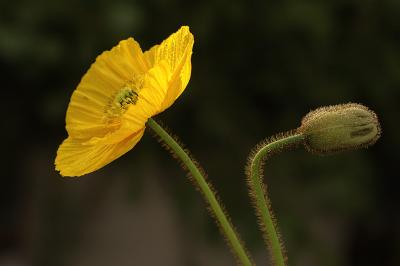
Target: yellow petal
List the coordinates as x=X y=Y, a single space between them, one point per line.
x=176 y=51
x=133 y=120
x=156 y=86
x=148 y=104
x=150 y=55
x=112 y=69
x=76 y=158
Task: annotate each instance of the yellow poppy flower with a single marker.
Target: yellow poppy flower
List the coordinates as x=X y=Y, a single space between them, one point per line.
x=108 y=111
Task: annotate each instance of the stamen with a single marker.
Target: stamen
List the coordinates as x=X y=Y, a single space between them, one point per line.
x=127 y=95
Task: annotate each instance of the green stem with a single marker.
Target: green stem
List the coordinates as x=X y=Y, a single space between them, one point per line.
x=260 y=196
x=209 y=195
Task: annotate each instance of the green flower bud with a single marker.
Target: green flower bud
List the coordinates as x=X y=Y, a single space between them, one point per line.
x=339 y=127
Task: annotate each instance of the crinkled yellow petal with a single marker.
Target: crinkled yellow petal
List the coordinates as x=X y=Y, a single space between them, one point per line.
x=134 y=118
x=76 y=158
x=156 y=86
x=112 y=69
x=162 y=84
x=150 y=55
x=149 y=103
x=176 y=51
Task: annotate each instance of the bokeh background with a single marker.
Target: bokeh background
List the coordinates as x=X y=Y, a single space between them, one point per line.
x=258 y=67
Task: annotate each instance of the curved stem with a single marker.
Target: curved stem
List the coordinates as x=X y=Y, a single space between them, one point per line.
x=209 y=195
x=258 y=192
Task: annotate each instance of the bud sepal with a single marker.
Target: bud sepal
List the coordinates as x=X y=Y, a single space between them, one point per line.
x=337 y=128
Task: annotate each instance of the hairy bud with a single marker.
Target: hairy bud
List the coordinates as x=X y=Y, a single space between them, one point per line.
x=339 y=127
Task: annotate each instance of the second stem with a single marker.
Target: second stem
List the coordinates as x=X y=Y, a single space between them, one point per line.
x=259 y=194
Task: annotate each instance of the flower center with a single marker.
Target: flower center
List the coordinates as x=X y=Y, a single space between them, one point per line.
x=127 y=95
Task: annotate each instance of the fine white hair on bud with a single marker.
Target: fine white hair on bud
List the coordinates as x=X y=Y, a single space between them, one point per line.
x=339 y=127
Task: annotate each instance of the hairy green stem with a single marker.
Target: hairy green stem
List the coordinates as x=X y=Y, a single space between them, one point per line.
x=209 y=195
x=258 y=192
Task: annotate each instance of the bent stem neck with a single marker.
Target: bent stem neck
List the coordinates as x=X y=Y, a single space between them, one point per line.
x=217 y=211
x=259 y=193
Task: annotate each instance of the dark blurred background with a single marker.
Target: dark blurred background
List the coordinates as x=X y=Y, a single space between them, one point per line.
x=258 y=67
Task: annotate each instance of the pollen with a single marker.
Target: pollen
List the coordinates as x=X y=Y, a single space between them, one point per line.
x=127 y=95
